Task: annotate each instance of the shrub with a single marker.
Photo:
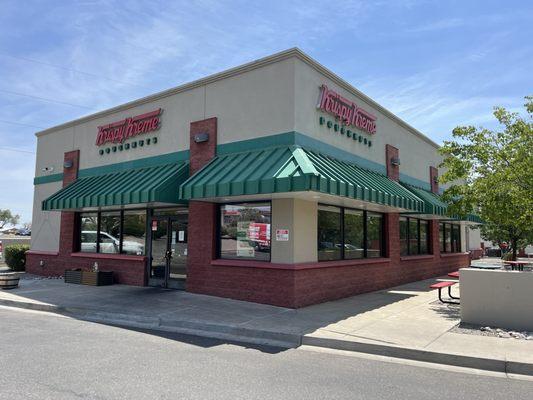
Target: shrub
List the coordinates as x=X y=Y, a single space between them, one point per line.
x=15 y=256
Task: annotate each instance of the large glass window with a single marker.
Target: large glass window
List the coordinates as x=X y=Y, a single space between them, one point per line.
x=329 y=233
x=374 y=235
x=456 y=238
x=109 y=238
x=447 y=238
x=424 y=236
x=88 y=232
x=450 y=238
x=245 y=231
x=113 y=232
x=134 y=233
x=414 y=236
x=345 y=233
x=404 y=236
x=354 y=238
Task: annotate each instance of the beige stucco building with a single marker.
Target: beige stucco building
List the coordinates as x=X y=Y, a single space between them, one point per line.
x=275 y=181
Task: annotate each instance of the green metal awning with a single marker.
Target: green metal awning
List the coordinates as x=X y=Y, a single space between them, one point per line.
x=432 y=202
x=294 y=169
x=433 y=205
x=142 y=185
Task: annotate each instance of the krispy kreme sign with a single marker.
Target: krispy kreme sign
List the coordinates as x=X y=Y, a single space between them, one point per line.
x=118 y=132
x=345 y=110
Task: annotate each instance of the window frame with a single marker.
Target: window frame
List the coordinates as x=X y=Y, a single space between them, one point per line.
x=218 y=229
x=382 y=249
x=419 y=237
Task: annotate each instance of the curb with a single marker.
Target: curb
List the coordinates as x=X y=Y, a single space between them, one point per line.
x=279 y=339
x=458 y=360
x=217 y=331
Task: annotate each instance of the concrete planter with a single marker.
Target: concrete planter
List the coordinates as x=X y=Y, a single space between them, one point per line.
x=9 y=280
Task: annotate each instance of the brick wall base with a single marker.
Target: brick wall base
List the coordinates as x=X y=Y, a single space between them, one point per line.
x=303 y=285
x=128 y=271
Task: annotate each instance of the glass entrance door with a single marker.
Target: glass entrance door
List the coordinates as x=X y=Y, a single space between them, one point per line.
x=168 y=261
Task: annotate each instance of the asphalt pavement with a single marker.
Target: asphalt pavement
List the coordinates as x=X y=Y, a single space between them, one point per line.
x=45 y=356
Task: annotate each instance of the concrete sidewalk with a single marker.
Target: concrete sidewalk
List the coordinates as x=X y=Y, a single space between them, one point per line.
x=403 y=322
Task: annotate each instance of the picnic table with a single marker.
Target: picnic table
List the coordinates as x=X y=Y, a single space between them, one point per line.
x=517 y=265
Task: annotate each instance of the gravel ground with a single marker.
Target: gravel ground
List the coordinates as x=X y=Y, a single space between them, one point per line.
x=470 y=329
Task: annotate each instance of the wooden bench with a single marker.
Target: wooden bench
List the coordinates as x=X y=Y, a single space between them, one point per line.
x=440 y=286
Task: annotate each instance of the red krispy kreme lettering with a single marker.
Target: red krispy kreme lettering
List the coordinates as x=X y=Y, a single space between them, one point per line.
x=345 y=110
x=118 y=132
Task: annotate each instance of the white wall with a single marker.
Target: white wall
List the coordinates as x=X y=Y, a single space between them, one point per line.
x=45 y=225
x=501 y=299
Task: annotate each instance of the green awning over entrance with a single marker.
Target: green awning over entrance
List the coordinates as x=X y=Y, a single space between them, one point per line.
x=157 y=184
x=294 y=169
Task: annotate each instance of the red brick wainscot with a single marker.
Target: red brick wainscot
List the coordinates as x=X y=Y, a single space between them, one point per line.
x=299 y=285
x=128 y=270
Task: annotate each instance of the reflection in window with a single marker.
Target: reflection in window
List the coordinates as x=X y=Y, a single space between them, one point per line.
x=110 y=232
x=329 y=233
x=374 y=235
x=354 y=240
x=124 y=230
x=413 y=236
x=89 y=229
x=134 y=232
x=245 y=231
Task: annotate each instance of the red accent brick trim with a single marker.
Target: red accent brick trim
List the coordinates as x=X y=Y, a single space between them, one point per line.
x=202 y=153
x=433 y=176
x=393 y=171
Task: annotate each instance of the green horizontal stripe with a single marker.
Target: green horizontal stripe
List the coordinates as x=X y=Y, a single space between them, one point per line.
x=39 y=180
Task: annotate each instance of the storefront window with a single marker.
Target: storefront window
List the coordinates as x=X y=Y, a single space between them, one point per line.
x=345 y=233
x=450 y=238
x=456 y=238
x=109 y=238
x=88 y=232
x=424 y=236
x=112 y=232
x=447 y=238
x=414 y=236
x=245 y=231
x=374 y=235
x=354 y=239
x=134 y=233
x=404 y=236
x=441 y=238
x=329 y=233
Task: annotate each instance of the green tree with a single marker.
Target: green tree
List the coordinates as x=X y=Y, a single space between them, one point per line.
x=6 y=217
x=491 y=174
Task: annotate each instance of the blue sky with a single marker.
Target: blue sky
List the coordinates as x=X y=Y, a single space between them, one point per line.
x=436 y=64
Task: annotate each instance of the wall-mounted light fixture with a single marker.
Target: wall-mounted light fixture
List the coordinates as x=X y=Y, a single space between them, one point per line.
x=395 y=161
x=68 y=164
x=47 y=169
x=201 y=137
